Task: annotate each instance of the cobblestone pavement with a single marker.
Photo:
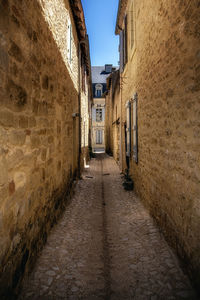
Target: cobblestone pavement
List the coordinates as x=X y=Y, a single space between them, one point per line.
x=106 y=246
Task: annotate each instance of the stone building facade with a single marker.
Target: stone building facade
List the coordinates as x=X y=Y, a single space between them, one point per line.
x=113 y=116
x=160 y=115
x=99 y=75
x=44 y=88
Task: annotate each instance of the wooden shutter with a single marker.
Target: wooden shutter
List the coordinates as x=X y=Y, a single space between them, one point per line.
x=128 y=128
x=135 y=129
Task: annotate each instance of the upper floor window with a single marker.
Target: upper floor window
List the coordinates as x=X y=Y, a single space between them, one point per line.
x=98 y=114
x=98 y=90
x=108 y=68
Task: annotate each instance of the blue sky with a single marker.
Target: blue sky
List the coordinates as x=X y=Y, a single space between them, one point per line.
x=100 y=17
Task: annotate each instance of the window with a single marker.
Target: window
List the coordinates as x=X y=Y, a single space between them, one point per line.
x=69 y=42
x=98 y=90
x=99 y=137
x=128 y=128
x=99 y=93
x=108 y=68
x=98 y=114
x=135 y=129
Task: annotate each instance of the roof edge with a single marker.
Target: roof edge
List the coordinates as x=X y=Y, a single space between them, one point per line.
x=79 y=18
x=120 y=14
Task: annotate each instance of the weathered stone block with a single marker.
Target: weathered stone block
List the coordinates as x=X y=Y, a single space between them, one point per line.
x=17 y=138
x=3 y=59
x=17 y=96
x=45 y=82
x=15 y=52
x=50 y=139
x=44 y=154
x=19 y=180
x=3 y=171
x=31 y=122
x=7 y=118
x=11 y=188
x=35 y=141
x=3 y=194
x=14 y=159
x=23 y=122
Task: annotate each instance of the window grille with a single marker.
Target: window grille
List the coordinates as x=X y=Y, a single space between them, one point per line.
x=99 y=137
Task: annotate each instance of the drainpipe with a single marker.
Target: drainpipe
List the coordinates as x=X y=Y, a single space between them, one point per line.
x=121 y=125
x=79 y=103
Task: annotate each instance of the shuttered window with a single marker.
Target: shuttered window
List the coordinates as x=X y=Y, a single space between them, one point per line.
x=128 y=129
x=99 y=137
x=135 y=129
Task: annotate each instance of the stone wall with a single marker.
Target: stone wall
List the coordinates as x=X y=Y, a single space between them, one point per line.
x=85 y=127
x=39 y=137
x=164 y=69
x=108 y=122
x=113 y=119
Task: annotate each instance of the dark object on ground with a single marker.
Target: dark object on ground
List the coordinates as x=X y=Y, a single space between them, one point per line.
x=128 y=185
x=92 y=155
x=106 y=174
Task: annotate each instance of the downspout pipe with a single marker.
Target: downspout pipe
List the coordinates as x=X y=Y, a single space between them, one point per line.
x=79 y=103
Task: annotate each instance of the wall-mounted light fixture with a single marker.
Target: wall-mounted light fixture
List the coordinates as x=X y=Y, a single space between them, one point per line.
x=74 y=115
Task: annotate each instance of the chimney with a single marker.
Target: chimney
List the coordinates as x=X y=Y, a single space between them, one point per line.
x=108 y=68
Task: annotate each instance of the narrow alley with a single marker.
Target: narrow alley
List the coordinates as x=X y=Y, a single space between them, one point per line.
x=106 y=246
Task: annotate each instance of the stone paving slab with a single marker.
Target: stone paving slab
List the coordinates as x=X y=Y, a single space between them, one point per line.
x=106 y=246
